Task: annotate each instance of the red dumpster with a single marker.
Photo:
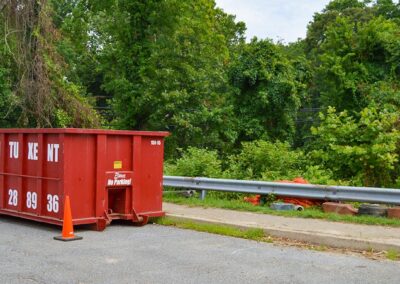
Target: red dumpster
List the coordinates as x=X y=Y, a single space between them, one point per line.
x=107 y=174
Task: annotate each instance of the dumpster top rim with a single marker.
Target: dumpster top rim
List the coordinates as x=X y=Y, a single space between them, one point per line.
x=83 y=131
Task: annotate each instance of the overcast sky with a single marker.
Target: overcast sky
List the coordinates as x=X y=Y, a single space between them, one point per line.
x=276 y=19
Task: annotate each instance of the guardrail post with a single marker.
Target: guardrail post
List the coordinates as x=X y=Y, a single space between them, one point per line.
x=203 y=194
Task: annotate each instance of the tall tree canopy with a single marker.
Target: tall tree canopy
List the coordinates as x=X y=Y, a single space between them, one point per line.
x=267 y=92
x=36 y=90
x=355 y=51
x=164 y=63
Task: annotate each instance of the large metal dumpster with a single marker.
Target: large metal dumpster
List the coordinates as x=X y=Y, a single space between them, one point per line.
x=107 y=174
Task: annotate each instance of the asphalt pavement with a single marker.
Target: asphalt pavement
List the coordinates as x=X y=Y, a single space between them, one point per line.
x=158 y=254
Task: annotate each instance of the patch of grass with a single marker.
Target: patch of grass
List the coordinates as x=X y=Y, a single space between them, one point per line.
x=315 y=212
x=250 y=234
x=319 y=248
x=392 y=254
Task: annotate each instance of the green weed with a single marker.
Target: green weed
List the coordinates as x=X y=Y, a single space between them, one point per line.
x=314 y=212
x=250 y=234
x=392 y=254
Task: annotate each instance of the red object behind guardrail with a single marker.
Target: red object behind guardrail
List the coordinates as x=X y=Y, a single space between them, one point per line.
x=299 y=201
x=256 y=200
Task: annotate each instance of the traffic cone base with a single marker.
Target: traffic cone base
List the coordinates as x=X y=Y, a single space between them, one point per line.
x=68 y=228
x=74 y=238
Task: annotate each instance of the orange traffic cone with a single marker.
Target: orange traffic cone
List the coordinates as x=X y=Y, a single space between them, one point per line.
x=68 y=228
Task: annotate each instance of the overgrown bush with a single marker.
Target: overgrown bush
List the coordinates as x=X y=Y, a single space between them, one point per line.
x=318 y=175
x=264 y=160
x=196 y=162
x=363 y=149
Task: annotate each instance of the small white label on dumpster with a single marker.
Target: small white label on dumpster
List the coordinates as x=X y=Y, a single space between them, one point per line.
x=119 y=179
x=155 y=142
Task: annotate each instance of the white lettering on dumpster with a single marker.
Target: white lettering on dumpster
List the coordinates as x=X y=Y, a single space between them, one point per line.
x=52 y=203
x=31 y=200
x=119 y=179
x=118 y=175
x=52 y=152
x=155 y=142
x=13 y=149
x=12 y=197
x=33 y=151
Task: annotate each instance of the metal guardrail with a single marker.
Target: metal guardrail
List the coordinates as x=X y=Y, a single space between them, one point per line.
x=324 y=192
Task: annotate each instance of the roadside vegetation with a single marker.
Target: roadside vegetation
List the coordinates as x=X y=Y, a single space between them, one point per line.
x=392 y=255
x=313 y=212
x=250 y=234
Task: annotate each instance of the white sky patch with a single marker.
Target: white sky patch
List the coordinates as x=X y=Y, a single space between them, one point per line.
x=284 y=20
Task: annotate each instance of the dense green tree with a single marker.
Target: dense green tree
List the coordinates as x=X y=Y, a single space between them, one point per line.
x=8 y=111
x=388 y=9
x=186 y=77
x=357 y=67
x=163 y=63
x=8 y=105
x=316 y=30
x=267 y=93
x=309 y=107
x=79 y=22
x=355 y=54
x=38 y=91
